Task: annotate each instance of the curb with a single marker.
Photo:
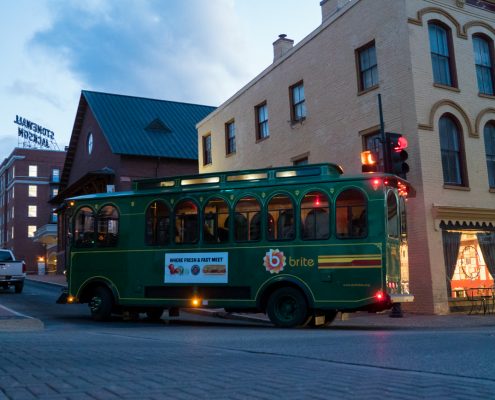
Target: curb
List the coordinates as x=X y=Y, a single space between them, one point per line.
x=12 y=321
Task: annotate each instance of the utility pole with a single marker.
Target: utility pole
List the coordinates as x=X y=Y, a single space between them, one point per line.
x=384 y=137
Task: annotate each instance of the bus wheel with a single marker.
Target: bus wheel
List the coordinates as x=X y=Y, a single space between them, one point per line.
x=287 y=308
x=154 y=314
x=101 y=304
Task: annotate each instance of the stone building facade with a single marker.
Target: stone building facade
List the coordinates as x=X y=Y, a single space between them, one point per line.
x=432 y=62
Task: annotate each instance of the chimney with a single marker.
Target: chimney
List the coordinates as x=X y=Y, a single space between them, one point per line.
x=330 y=7
x=281 y=46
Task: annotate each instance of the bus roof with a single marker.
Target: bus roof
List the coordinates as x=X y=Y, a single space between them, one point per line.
x=243 y=179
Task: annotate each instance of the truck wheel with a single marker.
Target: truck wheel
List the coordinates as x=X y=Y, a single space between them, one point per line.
x=18 y=287
x=101 y=304
x=287 y=308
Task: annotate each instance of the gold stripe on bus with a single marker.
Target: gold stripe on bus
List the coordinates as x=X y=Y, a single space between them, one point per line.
x=348 y=266
x=349 y=257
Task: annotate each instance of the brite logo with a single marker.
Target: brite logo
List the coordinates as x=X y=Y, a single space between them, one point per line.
x=274 y=261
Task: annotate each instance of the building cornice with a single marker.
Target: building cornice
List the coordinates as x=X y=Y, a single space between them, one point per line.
x=455 y=213
x=9 y=163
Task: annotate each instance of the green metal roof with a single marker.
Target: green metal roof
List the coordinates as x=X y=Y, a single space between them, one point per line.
x=147 y=127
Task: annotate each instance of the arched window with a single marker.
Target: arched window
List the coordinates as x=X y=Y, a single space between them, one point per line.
x=281 y=209
x=451 y=150
x=392 y=215
x=247 y=223
x=215 y=221
x=186 y=222
x=315 y=216
x=489 y=136
x=84 y=228
x=442 y=58
x=351 y=214
x=157 y=224
x=107 y=222
x=483 y=59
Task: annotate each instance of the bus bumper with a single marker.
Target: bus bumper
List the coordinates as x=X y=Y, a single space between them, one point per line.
x=401 y=298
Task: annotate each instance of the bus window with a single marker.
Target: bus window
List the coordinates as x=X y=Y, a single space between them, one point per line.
x=215 y=221
x=157 y=224
x=186 y=222
x=84 y=228
x=107 y=222
x=247 y=222
x=315 y=216
x=281 y=209
x=351 y=218
x=392 y=215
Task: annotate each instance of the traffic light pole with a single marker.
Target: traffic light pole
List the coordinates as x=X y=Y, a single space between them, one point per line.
x=384 y=137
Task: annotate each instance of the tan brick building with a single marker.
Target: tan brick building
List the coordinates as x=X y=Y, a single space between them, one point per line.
x=432 y=61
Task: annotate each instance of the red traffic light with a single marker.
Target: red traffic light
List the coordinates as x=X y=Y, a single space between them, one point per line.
x=401 y=144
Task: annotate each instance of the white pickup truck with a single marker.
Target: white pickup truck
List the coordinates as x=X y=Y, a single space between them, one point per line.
x=12 y=272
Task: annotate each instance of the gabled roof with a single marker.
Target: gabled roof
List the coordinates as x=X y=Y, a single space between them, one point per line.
x=147 y=127
x=140 y=127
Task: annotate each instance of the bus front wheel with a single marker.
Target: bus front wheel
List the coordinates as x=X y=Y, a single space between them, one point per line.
x=287 y=308
x=101 y=304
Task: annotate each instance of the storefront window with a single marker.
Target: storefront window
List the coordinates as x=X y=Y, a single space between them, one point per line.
x=472 y=268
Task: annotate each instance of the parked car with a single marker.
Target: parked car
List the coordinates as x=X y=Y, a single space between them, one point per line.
x=12 y=271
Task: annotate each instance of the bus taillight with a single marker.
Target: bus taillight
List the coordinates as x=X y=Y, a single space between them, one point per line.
x=375 y=183
x=380 y=296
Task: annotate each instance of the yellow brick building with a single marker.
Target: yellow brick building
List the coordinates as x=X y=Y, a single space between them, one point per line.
x=432 y=62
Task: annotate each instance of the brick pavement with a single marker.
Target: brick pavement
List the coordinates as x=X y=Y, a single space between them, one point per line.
x=124 y=364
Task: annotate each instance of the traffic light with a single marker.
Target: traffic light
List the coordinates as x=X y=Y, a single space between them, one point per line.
x=369 y=161
x=397 y=153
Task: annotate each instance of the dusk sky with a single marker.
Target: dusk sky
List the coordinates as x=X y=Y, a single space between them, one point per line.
x=194 y=51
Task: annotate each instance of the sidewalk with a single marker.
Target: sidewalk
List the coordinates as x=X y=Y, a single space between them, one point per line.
x=54 y=279
x=359 y=320
x=11 y=320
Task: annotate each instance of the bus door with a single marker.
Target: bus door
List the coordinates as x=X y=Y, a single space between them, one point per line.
x=393 y=240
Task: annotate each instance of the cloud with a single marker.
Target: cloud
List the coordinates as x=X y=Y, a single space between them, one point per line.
x=153 y=48
x=198 y=51
x=34 y=83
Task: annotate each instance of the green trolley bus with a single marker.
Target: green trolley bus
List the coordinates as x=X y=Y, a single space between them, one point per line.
x=297 y=243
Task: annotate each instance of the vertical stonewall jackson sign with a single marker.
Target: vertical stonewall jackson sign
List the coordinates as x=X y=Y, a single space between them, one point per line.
x=34 y=134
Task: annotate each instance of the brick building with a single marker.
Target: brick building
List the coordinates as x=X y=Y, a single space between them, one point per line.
x=29 y=178
x=433 y=62
x=116 y=139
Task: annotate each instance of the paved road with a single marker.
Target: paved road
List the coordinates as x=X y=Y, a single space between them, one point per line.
x=201 y=357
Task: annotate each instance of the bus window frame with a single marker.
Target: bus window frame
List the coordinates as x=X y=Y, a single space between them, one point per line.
x=367 y=202
x=104 y=244
x=266 y=215
x=203 y=220
x=396 y=234
x=170 y=211
x=234 y=213
x=329 y=216
x=174 y=225
x=73 y=224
